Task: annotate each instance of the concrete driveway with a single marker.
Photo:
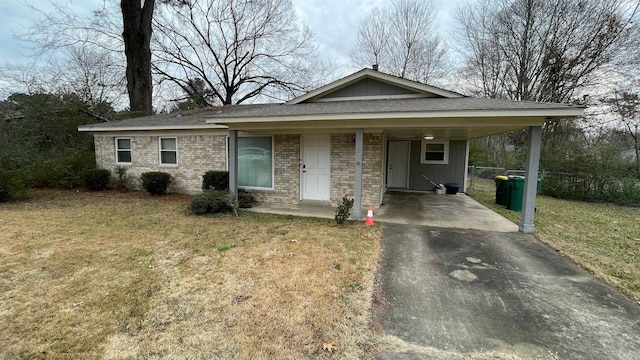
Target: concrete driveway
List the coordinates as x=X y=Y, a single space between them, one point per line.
x=457 y=293
x=449 y=211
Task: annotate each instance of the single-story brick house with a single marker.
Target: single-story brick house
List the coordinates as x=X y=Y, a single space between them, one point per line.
x=358 y=136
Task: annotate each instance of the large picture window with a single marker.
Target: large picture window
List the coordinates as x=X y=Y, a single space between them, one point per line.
x=168 y=151
x=123 y=150
x=434 y=152
x=255 y=162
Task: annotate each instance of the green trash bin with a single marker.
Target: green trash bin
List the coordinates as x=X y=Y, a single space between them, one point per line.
x=502 y=190
x=516 y=192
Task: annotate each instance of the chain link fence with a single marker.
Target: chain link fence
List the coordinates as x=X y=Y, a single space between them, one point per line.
x=483 y=177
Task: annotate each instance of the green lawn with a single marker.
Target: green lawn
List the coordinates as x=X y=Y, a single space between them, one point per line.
x=602 y=238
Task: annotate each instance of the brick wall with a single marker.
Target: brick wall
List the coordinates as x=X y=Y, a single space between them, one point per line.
x=200 y=153
x=196 y=155
x=343 y=168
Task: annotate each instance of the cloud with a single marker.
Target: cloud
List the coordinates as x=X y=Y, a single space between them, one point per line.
x=16 y=18
x=335 y=22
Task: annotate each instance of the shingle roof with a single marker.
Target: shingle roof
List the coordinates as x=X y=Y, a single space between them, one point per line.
x=198 y=119
x=189 y=119
x=382 y=106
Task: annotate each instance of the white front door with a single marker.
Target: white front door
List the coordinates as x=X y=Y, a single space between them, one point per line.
x=398 y=164
x=316 y=167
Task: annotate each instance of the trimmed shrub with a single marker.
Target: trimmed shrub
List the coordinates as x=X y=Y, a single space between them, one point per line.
x=210 y=202
x=96 y=179
x=156 y=182
x=217 y=180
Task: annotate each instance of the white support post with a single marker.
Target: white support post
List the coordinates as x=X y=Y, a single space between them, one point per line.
x=233 y=164
x=534 y=144
x=357 y=193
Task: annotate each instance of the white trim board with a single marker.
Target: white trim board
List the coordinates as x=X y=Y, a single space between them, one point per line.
x=462 y=115
x=377 y=75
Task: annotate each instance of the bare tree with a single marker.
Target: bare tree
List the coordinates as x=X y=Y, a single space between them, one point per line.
x=84 y=70
x=373 y=39
x=626 y=107
x=136 y=21
x=128 y=34
x=542 y=50
x=89 y=72
x=240 y=49
x=402 y=39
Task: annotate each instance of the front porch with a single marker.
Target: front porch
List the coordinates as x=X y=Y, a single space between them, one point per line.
x=415 y=208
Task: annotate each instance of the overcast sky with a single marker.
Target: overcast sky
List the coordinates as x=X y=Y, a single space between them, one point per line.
x=334 y=23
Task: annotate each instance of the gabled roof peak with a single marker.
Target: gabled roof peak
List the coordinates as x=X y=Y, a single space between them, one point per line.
x=412 y=88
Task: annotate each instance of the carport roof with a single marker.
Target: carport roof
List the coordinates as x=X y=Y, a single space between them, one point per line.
x=442 y=107
x=412 y=108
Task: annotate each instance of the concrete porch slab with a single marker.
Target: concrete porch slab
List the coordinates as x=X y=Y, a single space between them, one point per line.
x=411 y=208
x=448 y=211
x=304 y=209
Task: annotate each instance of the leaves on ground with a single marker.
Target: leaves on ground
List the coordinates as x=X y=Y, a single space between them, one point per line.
x=328 y=347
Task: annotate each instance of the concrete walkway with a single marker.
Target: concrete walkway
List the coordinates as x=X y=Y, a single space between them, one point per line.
x=459 y=293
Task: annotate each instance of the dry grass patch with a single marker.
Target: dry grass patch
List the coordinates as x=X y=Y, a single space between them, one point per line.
x=603 y=238
x=129 y=276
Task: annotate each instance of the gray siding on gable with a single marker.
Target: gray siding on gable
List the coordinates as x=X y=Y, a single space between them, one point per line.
x=369 y=87
x=453 y=172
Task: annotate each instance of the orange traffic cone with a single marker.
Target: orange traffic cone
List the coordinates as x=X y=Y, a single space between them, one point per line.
x=369 y=216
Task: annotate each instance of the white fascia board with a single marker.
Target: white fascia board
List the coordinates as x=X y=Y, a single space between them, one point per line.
x=204 y=132
x=561 y=113
x=208 y=125
x=394 y=124
x=326 y=88
x=412 y=85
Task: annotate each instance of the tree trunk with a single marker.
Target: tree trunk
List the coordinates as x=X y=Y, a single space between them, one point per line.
x=136 y=19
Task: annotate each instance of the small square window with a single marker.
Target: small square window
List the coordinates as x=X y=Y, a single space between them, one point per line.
x=123 y=150
x=434 y=152
x=169 y=151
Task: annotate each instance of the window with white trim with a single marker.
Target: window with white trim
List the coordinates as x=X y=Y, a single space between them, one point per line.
x=168 y=150
x=123 y=150
x=255 y=162
x=434 y=152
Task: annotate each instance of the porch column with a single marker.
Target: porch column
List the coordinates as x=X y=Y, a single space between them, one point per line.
x=534 y=143
x=357 y=191
x=233 y=164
